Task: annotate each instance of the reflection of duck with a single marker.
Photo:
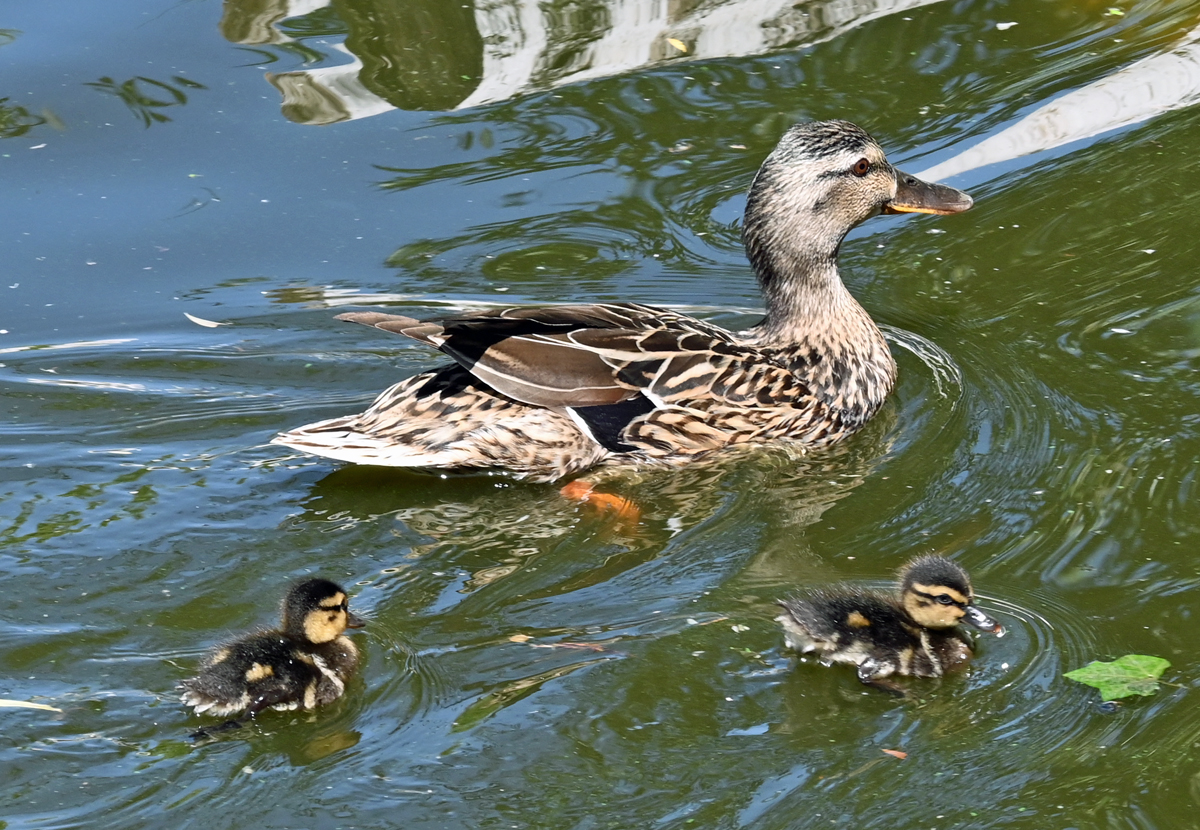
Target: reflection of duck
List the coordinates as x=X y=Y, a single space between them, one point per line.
x=549 y=392
x=475 y=534
x=916 y=635
x=303 y=664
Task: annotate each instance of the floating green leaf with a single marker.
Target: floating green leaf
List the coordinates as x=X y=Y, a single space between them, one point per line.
x=1133 y=674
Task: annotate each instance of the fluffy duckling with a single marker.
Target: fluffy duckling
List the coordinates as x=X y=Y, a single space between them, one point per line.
x=304 y=663
x=916 y=634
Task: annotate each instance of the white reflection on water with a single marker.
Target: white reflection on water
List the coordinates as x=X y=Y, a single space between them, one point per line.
x=529 y=45
x=89 y=384
x=81 y=344
x=521 y=37
x=1139 y=92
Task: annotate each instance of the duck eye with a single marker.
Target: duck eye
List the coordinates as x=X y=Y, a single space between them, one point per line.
x=945 y=599
x=861 y=168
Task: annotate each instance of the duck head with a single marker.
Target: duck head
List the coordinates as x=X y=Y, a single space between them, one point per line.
x=937 y=594
x=821 y=180
x=318 y=611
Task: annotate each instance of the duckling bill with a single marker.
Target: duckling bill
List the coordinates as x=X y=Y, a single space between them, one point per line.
x=547 y=393
x=913 y=634
x=303 y=664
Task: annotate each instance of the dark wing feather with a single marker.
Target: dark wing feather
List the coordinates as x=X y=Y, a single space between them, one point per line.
x=594 y=355
x=825 y=614
x=540 y=369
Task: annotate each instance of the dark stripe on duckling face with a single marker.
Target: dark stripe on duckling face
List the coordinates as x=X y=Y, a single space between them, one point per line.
x=935 y=606
x=940 y=606
x=329 y=620
x=942 y=595
x=332 y=604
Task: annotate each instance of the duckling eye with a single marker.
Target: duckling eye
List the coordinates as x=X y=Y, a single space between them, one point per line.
x=861 y=168
x=945 y=599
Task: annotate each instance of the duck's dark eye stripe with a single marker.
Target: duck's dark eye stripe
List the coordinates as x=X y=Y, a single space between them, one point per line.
x=944 y=599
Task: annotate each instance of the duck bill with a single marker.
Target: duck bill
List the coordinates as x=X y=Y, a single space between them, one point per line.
x=354 y=621
x=977 y=619
x=916 y=196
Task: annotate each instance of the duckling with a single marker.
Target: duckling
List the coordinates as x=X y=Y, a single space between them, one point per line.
x=304 y=663
x=916 y=634
x=548 y=393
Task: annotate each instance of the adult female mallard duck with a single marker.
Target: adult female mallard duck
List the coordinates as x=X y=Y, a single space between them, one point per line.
x=549 y=392
x=303 y=664
x=916 y=634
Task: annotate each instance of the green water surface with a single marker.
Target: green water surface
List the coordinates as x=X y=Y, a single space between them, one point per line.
x=529 y=661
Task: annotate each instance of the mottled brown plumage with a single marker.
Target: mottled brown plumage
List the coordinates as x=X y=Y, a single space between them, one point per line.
x=548 y=392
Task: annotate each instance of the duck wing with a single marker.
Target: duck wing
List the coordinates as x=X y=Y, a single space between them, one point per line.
x=593 y=355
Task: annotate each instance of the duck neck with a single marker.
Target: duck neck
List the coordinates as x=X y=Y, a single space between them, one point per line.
x=815 y=324
x=804 y=296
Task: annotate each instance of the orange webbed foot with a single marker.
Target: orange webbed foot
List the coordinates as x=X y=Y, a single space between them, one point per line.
x=625 y=511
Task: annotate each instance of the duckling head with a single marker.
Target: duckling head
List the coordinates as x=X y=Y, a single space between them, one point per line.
x=318 y=611
x=820 y=181
x=937 y=594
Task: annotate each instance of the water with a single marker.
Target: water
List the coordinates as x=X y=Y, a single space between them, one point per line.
x=531 y=662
